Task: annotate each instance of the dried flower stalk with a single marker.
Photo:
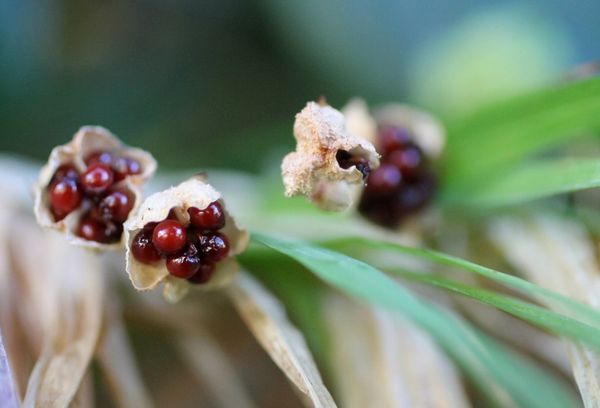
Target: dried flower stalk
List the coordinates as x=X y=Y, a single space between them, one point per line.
x=191 y=193
x=87 y=140
x=267 y=320
x=313 y=170
x=214 y=369
x=117 y=361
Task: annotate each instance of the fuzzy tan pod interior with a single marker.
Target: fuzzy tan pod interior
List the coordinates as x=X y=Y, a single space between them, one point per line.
x=87 y=140
x=194 y=192
x=313 y=170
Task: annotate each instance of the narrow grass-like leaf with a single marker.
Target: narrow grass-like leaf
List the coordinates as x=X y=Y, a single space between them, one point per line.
x=490 y=369
x=564 y=304
x=536 y=315
x=486 y=141
x=531 y=181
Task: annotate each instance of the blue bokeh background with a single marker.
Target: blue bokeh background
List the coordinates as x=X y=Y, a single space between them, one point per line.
x=216 y=83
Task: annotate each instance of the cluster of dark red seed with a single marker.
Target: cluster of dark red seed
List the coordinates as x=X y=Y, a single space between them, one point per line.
x=105 y=203
x=191 y=253
x=402 y=185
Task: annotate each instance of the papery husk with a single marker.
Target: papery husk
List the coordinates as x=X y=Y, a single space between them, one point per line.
x=117 y=361
x=381 y=360
x=313 y=171
x=84 y=397
x=266 y=318
x=87 y=140
x=557 y=254
x=13 y=372
x=359 y=120
x=428 y=132
x=214 y=369
x=60 y=296
x=194 y=192
x=9 y=397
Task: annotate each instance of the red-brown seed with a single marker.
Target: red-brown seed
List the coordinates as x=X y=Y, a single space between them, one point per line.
x=205 y=272
x=65 y=171
x=117 y=205
x=65 y=196
x=150 y=226
x=125 y=166
x=169 y=236
x=184 y=264
x=99 y=156
x=384 y=180
x=214 y=246
x=409 y=160
x=211 y=218
x=143 y=249
x=392 y=138
x=97 y=179
x=92 y=230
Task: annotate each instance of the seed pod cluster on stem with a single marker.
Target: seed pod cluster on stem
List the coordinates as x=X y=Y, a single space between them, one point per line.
x=90 y=186
x=185 y=237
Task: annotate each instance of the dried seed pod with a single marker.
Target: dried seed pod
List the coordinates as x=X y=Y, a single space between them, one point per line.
x=173 y=205
x=68 y=209
x=330 y=163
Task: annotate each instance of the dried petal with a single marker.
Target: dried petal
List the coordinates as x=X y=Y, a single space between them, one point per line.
x=8 y=391
x=213 y=368
x=359 y=120
x=313 y=169
x=428 y=133
x=266 y=318
x=194 y=192
x=64 y=296
x=117 y=361
x=379 y=359
x=87 y=140
x=558 y=254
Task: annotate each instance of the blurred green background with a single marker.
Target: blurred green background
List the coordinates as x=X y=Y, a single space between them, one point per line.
x=217 y=83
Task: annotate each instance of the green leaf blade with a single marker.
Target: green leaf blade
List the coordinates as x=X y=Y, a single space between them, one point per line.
x=533 y=314
x=562 y=303
x=481 y=359
x=532 y=181
x=483 y=144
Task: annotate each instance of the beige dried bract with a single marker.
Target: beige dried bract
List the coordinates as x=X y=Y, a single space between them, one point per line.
x=87 y=140
x=428 y=132
x=312 y=170
x=191 y=193
x=359 y=120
